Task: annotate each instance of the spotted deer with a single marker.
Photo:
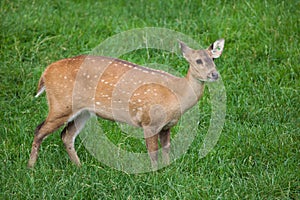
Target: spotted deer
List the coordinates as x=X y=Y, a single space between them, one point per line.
x=121 y=91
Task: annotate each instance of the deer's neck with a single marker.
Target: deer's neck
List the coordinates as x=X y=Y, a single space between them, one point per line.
x=191 y=90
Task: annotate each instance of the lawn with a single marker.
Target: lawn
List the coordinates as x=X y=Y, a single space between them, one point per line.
x=257 y=155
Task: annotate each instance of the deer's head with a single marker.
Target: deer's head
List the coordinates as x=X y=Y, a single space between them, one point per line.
x=202 y=66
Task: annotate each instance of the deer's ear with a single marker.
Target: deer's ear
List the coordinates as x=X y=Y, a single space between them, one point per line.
x=186 y=51
x=216 y=48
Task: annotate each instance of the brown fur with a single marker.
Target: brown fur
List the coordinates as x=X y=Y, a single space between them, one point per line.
x=121 y=91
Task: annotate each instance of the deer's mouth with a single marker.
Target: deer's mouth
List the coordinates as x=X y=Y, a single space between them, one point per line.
x=214 y=76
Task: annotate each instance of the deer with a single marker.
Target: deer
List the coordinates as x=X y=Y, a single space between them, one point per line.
x=122 y=91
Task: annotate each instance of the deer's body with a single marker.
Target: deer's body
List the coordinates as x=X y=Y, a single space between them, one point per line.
x=121 y=91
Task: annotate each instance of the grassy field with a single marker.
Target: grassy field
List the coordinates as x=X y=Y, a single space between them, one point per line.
x=257 y=155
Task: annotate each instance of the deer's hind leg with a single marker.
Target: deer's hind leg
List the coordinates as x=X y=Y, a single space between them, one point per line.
x=69 y=134
x=52 y=123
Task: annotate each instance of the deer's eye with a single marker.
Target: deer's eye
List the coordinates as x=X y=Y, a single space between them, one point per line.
x=199 y=61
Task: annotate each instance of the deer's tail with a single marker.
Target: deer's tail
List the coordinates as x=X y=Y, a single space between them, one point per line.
x=41 y=86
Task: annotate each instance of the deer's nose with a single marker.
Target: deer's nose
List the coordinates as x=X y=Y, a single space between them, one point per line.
x=215 y=75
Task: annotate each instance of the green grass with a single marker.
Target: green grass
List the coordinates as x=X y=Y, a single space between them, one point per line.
x=257 y=155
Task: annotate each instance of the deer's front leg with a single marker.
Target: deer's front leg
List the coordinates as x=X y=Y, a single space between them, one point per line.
x=164 y=137
x=152 y=146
